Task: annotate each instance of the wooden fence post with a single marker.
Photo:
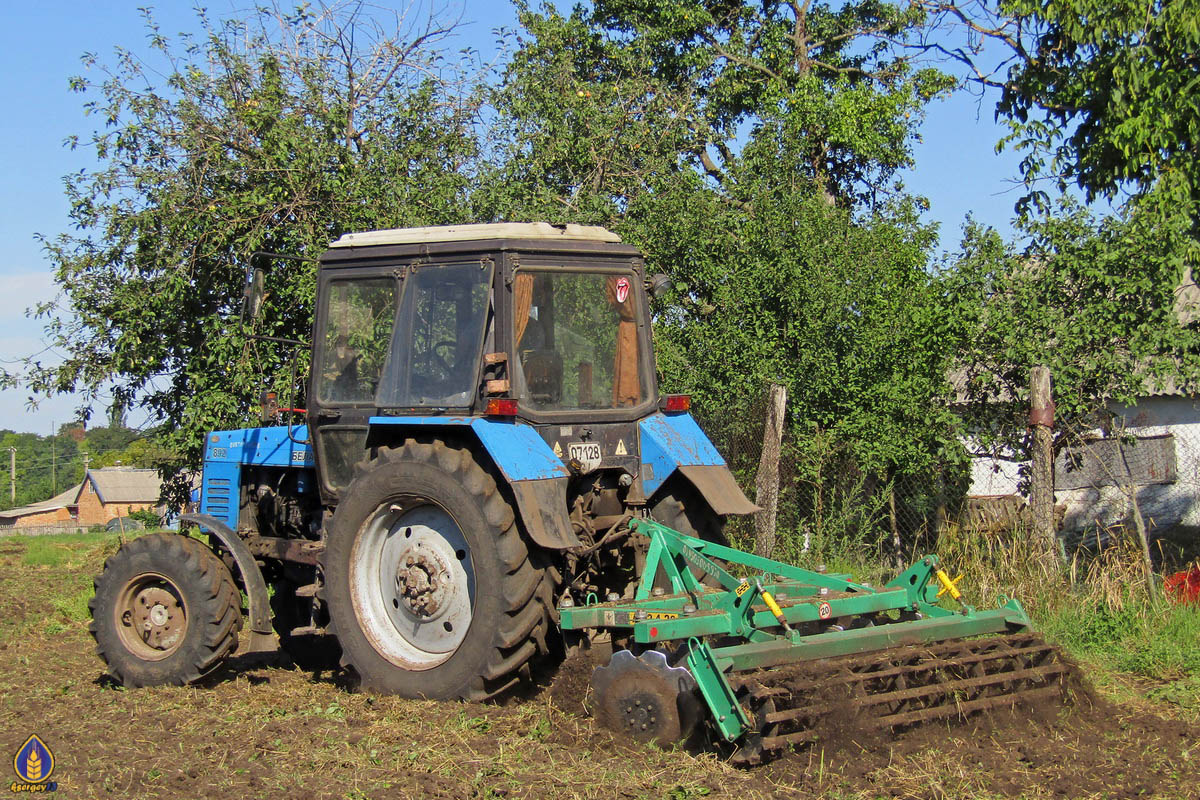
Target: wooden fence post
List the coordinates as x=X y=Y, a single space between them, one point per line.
x=766 y=483
x=1041 y=490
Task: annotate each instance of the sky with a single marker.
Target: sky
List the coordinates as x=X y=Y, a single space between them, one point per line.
x=41 y=43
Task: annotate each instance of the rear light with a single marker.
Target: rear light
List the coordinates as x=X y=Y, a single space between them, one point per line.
x=676 y=402
x=501 y=407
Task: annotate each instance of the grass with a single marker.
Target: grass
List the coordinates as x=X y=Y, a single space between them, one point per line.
x=271 y=732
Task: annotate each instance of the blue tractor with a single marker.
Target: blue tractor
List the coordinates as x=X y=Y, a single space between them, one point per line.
x=489 y=476
x=483 y=423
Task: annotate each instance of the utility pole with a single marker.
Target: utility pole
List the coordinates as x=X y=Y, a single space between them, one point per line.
x=12 y=471
x=53 y=464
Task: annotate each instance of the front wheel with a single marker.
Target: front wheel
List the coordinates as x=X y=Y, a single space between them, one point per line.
x=432 y=590
x=165 y=611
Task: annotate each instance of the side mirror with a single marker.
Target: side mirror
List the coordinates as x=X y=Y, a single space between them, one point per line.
x=252 y=297
x=658 y=285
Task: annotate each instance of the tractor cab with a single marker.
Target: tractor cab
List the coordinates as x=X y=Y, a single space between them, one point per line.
x=543 y=324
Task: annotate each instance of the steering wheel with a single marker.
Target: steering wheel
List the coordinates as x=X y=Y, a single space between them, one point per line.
x=443 y=360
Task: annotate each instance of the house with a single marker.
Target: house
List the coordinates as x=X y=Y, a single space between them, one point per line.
x=57 y=512
x=102 y=496
x=1151 y=451
x=112 y=492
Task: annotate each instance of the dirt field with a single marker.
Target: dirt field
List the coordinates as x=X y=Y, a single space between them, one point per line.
x=259 y=731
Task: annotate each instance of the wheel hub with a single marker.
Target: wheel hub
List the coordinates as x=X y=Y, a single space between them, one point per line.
x=641 y=712
x=422 y=583
x=151 y=618
x=413 y=584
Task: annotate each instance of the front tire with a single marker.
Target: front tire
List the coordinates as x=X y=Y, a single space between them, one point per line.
x=165 y=611
x=432 y=590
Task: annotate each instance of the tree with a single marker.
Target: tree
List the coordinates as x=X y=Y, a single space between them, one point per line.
x=1098 y=93
x=275 y=132
x=750 y=151
x=1098 y=302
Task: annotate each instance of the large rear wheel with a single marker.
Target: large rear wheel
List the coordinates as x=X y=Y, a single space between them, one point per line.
x=432 y=590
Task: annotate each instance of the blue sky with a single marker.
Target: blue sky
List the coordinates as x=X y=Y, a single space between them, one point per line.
x=40 y=47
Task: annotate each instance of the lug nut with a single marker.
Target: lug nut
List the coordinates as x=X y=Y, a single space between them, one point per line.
x=567 y=602
x=657 y=591
x=688 y=608
x=613 y=597
x=824 y=590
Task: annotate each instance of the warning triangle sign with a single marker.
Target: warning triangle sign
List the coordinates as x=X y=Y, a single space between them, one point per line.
x=621 y=451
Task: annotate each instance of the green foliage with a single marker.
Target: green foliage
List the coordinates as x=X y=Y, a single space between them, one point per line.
x=147 y=517
x=276 y=132
x=1098 y=302
x=748 y=150
x=1106 y=95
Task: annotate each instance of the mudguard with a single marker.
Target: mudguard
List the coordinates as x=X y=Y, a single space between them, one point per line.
x=674 y=442
x=537 y=476
x=262 y=635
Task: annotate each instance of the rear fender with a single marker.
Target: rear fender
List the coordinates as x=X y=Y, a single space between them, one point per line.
x=673 y=443
x=535 y=475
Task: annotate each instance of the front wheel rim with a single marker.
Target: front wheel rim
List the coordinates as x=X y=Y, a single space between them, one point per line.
x=151 y=616
x=412 y=584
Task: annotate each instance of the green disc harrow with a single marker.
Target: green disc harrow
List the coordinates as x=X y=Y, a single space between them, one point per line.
x=767 y=652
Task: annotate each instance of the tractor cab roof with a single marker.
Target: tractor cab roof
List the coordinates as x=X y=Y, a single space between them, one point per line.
x=354 y=249
x=462 y=233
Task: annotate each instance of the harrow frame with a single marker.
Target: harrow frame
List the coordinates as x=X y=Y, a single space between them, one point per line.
x=783 y=615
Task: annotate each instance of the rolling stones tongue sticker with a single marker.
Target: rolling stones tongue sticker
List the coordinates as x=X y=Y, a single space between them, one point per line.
x=622 y=289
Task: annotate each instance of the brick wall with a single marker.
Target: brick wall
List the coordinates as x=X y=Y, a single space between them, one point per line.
x=52 y=517
x=93 y=512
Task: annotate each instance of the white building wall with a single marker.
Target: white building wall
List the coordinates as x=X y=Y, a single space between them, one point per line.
x=1163 y=505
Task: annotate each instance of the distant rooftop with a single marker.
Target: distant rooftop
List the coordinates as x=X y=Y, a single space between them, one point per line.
x=125 y=485
x=494 y=230
x=63 y=500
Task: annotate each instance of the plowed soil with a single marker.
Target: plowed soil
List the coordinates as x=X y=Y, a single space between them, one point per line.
x=258 y=730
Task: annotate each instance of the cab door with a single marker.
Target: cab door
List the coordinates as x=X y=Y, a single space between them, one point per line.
x=356 y=318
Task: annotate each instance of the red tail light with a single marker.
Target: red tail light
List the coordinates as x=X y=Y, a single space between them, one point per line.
x=677 y=402
x=501 y=407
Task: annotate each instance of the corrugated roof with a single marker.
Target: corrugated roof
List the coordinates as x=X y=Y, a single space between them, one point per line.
x=123 y=485
x=62 y=500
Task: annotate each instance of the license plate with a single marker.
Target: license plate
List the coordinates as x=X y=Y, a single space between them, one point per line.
x=586 y=453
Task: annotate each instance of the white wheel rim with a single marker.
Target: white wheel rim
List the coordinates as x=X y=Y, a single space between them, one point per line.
x=412 y=584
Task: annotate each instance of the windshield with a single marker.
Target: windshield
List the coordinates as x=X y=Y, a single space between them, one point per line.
x=420 y=350
x=438 y=337
x=358 y=327
x=577 y=339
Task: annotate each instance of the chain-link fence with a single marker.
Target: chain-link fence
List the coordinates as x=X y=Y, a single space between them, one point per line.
x=1146 y=462
x=828 y=507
